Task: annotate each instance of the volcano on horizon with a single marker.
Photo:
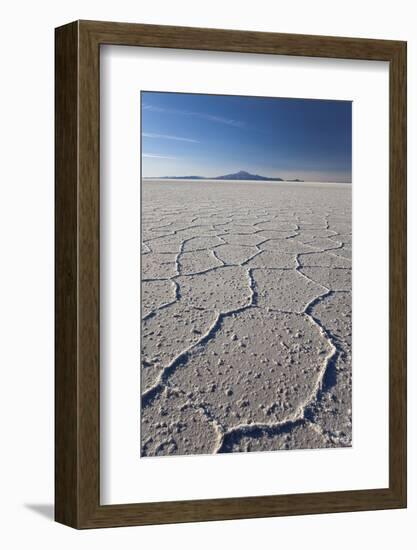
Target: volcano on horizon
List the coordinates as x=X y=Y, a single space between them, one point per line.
x=241 y=175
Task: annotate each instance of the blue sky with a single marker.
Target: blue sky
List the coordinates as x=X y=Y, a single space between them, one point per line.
x=213 y=135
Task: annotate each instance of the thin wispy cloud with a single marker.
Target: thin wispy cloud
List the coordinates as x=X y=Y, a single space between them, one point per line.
x=152 y=156
x=205 y=116
x=164 y=136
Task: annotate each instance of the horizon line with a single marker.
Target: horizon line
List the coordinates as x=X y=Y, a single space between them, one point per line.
x=255 y=175
x=272 y=179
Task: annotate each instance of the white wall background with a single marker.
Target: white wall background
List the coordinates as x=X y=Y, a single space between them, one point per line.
x=26 y=272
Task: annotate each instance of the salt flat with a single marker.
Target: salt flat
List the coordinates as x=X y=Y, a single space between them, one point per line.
x=246 y=316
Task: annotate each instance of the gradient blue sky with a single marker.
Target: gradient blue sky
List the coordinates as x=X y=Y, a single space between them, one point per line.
x=213 y=135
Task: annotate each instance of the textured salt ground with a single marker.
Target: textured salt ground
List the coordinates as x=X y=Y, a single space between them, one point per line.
x=246 y=307
x=156 y=294
x=260 y=366
x=285 y=290
x=166 y=333
x=173 y=425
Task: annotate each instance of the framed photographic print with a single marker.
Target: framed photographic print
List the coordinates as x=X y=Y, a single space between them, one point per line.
x=230 y=274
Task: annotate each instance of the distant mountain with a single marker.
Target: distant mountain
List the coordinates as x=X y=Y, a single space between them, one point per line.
x=242 y=175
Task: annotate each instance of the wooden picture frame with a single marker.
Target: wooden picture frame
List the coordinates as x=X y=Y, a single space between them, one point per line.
x=77 y=382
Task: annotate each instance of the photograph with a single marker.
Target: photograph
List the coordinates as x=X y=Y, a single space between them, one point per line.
x=245 y=274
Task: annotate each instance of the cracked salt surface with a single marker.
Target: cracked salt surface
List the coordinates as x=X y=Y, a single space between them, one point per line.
x=246 y=316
